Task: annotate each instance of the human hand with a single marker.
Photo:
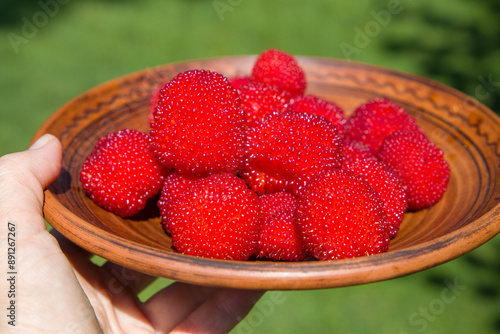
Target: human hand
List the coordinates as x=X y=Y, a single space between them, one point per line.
x=57 y=289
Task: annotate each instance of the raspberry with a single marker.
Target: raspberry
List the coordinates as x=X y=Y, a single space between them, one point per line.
x=121 y=174
x=258 y=99
x=278 y=68
x=374 y=120
x=215 y=217
x=341 y=216
x=419 y=164
x=284 y=150
x=199 y=124
x=314 y=105
x=280 y=238
x=388 y=187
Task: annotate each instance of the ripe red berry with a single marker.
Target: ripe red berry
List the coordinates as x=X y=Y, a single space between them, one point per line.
x=284 y=150
x=153 y=103
x=280 y=237
x=280 y=69
x=374 y=120
x=258 y=99
x=354 y=150
x=122 y=173
x=387 y=186
x=239 y=81
x=199 y=126
x=174 y=186
x=314 y=105
x=341 y=216
x=330 y=187
x=215 y=217
x=419 y=164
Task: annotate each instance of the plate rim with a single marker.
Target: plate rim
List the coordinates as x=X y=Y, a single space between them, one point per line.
x=269 y=273
x=477 y=232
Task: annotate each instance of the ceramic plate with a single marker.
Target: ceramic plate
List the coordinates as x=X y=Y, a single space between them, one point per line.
x=467 y=216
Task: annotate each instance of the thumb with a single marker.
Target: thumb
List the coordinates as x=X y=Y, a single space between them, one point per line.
x=41 y=272
x=46 y=158
x=24 y=176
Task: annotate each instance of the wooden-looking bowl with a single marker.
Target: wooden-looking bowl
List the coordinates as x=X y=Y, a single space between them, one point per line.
x=467 y=216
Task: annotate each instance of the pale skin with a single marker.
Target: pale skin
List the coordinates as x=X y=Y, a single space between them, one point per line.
x=59 y=290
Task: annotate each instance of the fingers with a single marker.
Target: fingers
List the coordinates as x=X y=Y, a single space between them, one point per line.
x=45 y=276
x=23 y=176
x=180 y=307
x=219 y=314
x=130 y=279
x=45 y=159
x=186 y=308
x=168 y=307
x=121 y=278
x=71 y=250
x=36 y=167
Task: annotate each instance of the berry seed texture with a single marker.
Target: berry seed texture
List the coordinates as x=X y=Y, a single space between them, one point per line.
x=256 y=167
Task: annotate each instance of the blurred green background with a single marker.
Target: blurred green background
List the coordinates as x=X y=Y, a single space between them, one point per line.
x=53 y=50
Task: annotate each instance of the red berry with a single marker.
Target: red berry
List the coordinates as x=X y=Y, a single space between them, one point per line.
x=239 y=81
x=388 y=187
x=153 y=102
x=341 y=216
x=284 y=150
x=371 y=122
x=199 y=124
x=174 y=186
x=258 y=99
x=280 y=238
x=216 y=217
x=278 y=68
x=314 y=105
x=122 y=173
x=354 y=150
x=419 y=164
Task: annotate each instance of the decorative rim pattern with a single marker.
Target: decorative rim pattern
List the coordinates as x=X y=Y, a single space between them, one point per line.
x=468 y=215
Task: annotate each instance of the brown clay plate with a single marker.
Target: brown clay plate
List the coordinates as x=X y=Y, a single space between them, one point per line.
x=466 y=217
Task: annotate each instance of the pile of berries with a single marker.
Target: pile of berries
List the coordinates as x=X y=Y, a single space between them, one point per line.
x=253 y=167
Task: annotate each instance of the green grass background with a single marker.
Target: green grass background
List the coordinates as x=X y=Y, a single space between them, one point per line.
x=81 y=44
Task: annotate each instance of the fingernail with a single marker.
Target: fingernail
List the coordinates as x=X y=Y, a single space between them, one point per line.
x=42 y=141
